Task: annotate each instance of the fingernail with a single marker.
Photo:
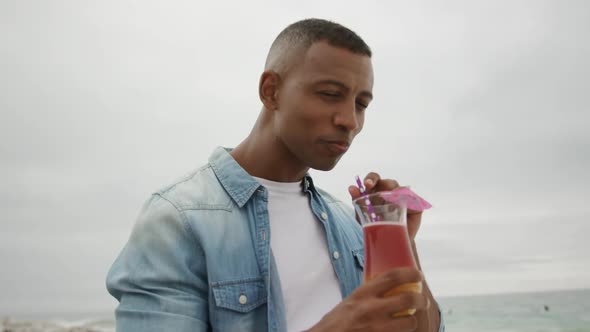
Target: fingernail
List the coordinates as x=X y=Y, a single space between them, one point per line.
x=369 y=182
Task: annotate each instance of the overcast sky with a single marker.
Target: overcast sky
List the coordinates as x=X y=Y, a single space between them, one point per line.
x=481 y=106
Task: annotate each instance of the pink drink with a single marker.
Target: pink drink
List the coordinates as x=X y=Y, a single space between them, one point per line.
x=387 y=246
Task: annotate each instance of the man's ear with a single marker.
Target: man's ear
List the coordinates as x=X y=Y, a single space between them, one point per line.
x=268 y=89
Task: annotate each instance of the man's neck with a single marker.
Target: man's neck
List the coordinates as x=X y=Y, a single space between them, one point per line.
x=261 y=155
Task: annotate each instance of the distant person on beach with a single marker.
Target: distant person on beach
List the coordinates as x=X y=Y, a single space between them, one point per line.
x=248 y=242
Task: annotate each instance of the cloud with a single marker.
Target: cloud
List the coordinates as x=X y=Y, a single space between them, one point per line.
x=481 y=107
x=547 y=249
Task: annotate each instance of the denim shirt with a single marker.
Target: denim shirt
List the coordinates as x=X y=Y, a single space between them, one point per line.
x=199 y=256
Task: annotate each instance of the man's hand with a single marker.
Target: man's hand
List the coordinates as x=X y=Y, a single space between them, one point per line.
x=373 y=183
x=366 y=309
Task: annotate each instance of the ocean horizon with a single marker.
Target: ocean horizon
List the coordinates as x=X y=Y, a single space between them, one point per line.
x=547 y=311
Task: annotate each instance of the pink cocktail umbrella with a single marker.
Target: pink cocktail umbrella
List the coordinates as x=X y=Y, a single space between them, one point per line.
x=407 y=196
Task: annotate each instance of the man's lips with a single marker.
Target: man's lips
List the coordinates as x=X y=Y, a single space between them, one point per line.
x=337 y=146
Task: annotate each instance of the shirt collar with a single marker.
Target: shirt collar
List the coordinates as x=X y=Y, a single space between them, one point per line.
x=307 y=184
x=236 y=181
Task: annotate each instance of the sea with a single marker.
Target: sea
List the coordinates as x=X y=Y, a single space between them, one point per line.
x=555 y=311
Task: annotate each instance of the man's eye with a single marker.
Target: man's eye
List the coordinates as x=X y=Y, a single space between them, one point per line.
x=330 y=94
x=361 y=105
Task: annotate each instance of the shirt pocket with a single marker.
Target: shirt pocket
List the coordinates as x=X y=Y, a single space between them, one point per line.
x=241 y=296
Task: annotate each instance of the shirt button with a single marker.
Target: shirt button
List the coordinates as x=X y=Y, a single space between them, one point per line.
x=336 y=255
x=324 y=215
x=242 y=299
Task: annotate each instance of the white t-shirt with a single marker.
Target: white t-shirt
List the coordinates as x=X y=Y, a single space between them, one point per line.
x=298 y=241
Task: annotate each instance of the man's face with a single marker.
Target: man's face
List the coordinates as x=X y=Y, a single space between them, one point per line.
x=321 y=104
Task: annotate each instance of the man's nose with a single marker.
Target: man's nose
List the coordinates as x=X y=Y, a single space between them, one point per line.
x=347 y=117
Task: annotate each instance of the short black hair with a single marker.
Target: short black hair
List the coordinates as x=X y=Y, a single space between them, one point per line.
x=308 y=31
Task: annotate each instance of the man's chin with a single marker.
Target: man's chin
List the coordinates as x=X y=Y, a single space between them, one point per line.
x=326 y=165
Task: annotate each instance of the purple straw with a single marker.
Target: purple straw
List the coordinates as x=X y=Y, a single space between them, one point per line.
x=367 y=201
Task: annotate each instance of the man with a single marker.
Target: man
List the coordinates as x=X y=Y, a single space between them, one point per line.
x=247 y=242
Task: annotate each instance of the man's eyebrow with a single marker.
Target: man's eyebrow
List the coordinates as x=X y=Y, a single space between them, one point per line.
x=366 y=94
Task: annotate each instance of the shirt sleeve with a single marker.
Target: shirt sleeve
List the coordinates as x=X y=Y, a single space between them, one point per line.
x=159 y=277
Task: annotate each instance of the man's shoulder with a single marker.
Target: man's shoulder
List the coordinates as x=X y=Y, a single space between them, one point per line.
x=198 y=189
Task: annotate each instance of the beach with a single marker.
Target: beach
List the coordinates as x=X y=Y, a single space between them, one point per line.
x=34 y=325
